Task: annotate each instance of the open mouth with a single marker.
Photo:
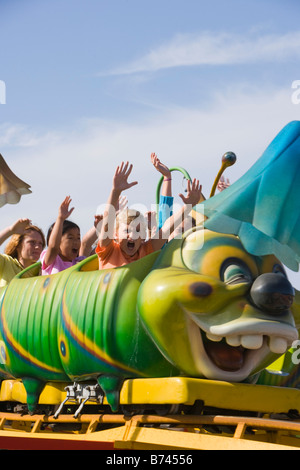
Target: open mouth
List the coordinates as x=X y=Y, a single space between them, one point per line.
x=130 y=245
x=224 y=356
x=234 y=355
x=230 y=353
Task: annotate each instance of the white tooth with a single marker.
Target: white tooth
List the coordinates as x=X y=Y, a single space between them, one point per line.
x=252 y=341
x=278 y=345
x=212 y=337
x=233 y=340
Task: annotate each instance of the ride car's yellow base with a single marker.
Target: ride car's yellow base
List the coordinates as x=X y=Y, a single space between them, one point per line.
x=197 y=414
x=176 y=391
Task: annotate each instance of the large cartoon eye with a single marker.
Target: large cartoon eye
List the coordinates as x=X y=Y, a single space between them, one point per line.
x=278 y=269
x=235 y=271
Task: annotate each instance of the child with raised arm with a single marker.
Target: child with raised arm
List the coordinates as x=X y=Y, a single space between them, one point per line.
x=166 y=199
x=64 y=242
x=165 y=209
x=127 y=243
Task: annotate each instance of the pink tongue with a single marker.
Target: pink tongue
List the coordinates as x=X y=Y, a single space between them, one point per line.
x=225 y=357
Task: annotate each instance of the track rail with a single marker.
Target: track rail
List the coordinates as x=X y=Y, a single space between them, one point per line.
x=109 y=431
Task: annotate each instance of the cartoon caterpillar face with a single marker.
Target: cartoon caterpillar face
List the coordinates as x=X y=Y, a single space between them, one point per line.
x=215 y=311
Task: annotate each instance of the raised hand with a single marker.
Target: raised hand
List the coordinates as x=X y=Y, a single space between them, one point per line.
x=97 y=219
x=64 y=212
x=193 y=196
x=223 y=184
x=159 y=166
x=120 y=180
x=120 y=183
x=20 y=225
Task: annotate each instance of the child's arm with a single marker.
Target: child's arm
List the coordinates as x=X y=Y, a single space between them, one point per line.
x=17 y=227
x=55 y=238
x=166 y=199
x=90 y=237
x=190 y=200
x=120 y=184
x=166 y=189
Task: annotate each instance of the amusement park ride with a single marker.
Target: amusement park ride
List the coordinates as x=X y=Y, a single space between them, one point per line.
x=192 y=347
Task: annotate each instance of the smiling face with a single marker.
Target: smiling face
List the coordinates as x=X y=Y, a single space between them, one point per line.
x=30 y=249
x=218 y=312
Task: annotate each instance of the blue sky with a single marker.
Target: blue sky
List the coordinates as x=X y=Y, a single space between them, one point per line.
x=92 y=82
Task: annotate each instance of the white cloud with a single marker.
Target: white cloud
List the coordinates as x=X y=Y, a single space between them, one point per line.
x=16 y=135
x=215 y=49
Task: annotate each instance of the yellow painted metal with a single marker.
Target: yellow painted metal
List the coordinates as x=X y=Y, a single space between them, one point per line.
x=169 y=432
x=53 y=393
x=184 y=432
x=13 y=390
x=178 y=390
x=155 y=439
x=247 y=433
x=244 y=397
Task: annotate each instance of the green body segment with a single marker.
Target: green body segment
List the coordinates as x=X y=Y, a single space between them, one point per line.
x=29 y=320
x=77 y=325
x=100 y=330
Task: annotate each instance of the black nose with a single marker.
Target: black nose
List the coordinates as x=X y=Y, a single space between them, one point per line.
x=272 y=293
